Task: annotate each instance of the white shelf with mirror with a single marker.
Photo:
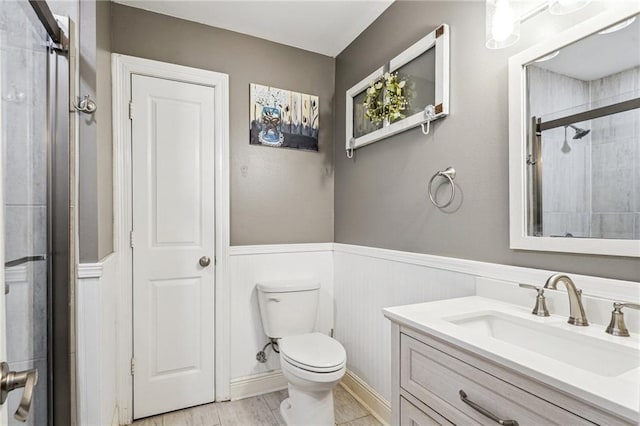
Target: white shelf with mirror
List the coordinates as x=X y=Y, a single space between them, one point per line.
x=574 y=138
x=424 y=67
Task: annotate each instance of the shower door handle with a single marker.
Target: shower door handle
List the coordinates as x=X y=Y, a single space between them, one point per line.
x=11 y=380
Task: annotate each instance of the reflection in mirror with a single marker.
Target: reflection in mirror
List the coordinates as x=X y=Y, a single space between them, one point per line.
x=583 y=112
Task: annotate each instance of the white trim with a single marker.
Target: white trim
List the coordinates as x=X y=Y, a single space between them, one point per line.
x=518 y=143
x=88 y=326
x=259 y=384
x=359 y=87
x=89 y=270
x=368 y=397
x=279 y=249
x=441 y=45
x=122 y=68
x=594 y=286
x=15 y=274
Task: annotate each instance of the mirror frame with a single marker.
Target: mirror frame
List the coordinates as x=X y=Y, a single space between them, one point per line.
x=518 y=143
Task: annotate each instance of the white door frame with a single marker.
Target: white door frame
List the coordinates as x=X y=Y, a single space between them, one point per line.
x=122 y=68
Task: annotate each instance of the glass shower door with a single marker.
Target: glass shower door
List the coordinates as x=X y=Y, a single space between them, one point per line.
x=23 y=132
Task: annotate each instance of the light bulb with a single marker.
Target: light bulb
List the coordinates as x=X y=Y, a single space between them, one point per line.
x=503 y=26
x=502 y=22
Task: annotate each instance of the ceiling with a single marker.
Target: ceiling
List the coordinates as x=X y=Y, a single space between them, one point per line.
x=321 y=26
x=598 y=55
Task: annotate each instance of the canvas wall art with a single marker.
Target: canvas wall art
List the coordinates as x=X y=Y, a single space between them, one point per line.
x=282 y=118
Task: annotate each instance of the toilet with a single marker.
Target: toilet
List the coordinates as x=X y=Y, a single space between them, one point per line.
x=313 y=363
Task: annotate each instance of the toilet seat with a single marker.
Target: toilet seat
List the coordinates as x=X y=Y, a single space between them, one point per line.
x=314 y=352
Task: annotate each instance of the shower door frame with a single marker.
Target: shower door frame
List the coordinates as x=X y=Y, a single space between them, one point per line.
x=59 y=178
x=58 y=171
x=60 y=163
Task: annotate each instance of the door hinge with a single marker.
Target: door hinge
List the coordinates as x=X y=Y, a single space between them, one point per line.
x=133 y=366
x=131 y=239
x=130 y=110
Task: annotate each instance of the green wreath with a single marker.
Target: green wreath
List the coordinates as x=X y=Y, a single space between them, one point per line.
x=388 y=104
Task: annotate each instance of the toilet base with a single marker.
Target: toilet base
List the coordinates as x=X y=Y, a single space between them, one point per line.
x=306 y=408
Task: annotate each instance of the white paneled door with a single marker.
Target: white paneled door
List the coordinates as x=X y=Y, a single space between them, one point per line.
x=173 y=244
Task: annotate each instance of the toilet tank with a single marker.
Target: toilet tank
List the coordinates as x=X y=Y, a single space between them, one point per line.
x=288 y=308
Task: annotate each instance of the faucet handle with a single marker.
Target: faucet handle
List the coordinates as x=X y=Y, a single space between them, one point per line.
x=540 y=309
x=616 y=326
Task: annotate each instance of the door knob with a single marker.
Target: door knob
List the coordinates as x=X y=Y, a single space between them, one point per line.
x=11 y=380
x=205 y=261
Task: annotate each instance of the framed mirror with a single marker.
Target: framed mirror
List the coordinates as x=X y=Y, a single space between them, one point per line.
x=574 y=138
x=424 y=68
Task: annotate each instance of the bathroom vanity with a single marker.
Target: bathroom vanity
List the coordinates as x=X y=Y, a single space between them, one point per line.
x=475 y=360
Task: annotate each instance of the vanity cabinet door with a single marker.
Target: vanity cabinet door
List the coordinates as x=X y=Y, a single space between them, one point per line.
x=410 y=415
x=437 y=379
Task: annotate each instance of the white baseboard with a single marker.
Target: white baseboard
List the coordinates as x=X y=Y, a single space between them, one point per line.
x=115 y=420
x=367 y=396
x=259 y=384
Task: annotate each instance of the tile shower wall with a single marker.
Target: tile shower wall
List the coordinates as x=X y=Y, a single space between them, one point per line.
x=616 y=161
x=566 y=208
x=601 y=172
x=25 y=189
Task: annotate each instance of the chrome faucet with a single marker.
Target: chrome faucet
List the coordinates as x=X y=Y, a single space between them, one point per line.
x=576 y=310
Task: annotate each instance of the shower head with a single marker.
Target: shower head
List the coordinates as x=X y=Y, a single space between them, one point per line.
x=580 y=133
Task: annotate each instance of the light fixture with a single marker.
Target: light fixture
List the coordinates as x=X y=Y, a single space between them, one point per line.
x=562 y=7
x=619 y=26
x=548 y=57
x=502 y=24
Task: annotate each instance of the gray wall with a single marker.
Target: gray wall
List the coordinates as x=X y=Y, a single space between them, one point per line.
x=87 y=147
x=104 y=146
x=277 y=195
x=95 y=205
x=380 y=195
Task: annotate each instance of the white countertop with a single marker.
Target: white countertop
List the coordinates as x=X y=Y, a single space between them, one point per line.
x=618 y=394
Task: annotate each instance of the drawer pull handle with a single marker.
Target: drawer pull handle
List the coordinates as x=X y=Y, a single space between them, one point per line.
x=479 y=409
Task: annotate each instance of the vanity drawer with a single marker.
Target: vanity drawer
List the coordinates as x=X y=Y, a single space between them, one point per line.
x=437 y=379
x=411 y=415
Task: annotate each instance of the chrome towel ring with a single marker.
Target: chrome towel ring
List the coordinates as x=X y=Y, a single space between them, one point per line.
x=450 y=174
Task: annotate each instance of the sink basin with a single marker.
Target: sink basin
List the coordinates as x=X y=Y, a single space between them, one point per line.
x=601 y=357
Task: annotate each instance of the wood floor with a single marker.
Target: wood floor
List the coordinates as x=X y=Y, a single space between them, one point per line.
x=259 y=410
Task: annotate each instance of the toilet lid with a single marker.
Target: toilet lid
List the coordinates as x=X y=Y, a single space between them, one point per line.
x=313 y=352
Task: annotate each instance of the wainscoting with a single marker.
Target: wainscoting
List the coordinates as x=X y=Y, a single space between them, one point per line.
x=364 y=283
x=367 y=279
x=251 y=264
x=356 y=283
x=96 y=343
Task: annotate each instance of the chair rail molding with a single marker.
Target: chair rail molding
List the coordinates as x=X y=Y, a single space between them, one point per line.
x=89 y=270
x=279 y=248
x=594 y=286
